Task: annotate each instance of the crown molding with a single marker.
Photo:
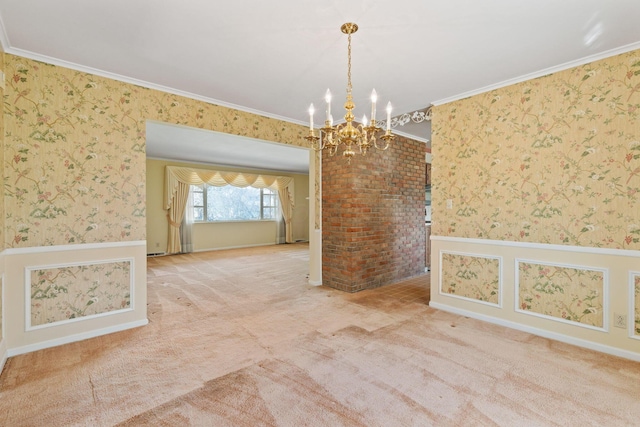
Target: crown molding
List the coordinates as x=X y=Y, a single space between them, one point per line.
x=413 y=137
x=540 y=73
x=113 y=76
x=118 y=77
x=4 y=37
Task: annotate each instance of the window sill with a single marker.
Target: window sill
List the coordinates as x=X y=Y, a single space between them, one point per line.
x=235 y=221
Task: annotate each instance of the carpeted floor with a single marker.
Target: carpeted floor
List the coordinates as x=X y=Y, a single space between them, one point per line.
x=238 y=338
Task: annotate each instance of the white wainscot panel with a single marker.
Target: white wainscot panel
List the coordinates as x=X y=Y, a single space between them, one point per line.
x=59 y=294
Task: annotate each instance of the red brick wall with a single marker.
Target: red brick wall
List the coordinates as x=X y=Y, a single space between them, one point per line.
x=373 y=230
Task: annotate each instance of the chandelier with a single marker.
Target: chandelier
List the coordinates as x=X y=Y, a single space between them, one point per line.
x=352 y=135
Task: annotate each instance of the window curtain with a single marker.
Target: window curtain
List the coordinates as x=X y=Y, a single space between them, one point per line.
x=280 y=228
x=177 y=177
x=175 y=213
x=186 y=227
x=286 y=208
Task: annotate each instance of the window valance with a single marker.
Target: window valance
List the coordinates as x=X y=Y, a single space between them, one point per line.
x=191 y=176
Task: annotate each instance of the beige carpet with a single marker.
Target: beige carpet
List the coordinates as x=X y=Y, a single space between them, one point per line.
x=238 y=338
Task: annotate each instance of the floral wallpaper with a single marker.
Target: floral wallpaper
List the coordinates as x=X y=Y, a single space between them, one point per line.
x=74 y=155
x=471 y=277
x=72 y=292
x=636 y=305
x=567 y=293
x=552 y=160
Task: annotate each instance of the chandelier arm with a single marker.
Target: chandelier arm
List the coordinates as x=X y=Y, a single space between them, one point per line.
x=323 y=140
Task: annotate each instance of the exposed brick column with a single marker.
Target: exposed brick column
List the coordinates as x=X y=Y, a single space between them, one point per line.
x=373 y=230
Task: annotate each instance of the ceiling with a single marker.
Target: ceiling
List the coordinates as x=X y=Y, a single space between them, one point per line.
x=275 y=58
x=167 y=141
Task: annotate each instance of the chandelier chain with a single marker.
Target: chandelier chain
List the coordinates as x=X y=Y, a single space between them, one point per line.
x=349 y=87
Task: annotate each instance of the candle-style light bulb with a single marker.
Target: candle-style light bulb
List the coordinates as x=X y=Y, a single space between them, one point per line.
x=364 y=120
x=389 y=116
x=311 y=111
x=327 y=98
x=374 y=99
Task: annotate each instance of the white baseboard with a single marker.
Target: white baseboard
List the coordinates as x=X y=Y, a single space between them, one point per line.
x=315 y=282
x=540 y=332
x=235 y=247
x=3 y=354
x=73 y=338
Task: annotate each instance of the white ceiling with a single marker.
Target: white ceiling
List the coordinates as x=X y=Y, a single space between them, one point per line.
x=274 y=58
x=167 y=141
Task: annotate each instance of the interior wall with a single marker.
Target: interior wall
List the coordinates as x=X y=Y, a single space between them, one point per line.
x=302 y=209
x=75 y=172
x=214 y=236
x=536 y=205
x=209 y=236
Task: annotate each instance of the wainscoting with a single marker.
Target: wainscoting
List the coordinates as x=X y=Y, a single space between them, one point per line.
x=582 y=296
x=60 y=294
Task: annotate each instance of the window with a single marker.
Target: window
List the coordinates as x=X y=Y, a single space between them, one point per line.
x=197 y=192
x=231 y=203
x=268 y=203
